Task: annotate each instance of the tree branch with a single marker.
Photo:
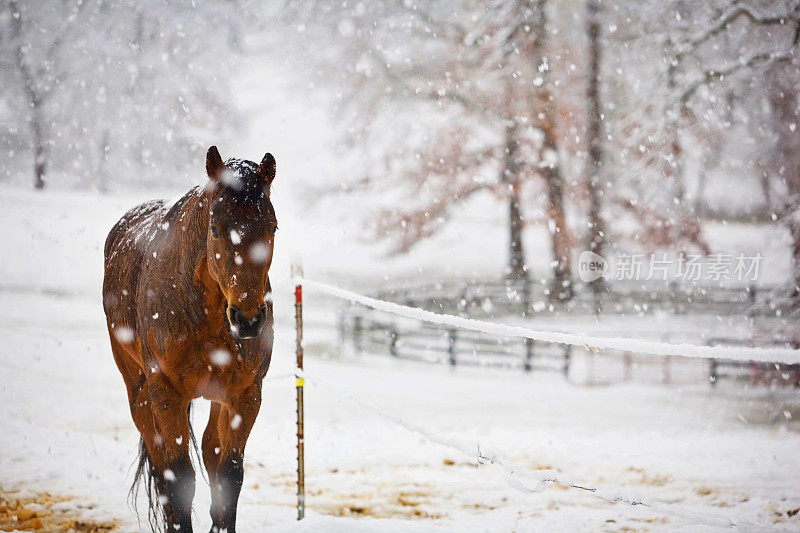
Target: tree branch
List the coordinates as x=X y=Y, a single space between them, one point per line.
x=757 y=60
x=734 y=14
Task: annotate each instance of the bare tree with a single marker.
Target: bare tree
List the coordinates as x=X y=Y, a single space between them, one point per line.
x=109 y=90
x=511 y=176
x=594 y=184
x=39 y=76
x=480 y=73
x=784 y=102
x=543 y=118
x=516 y=96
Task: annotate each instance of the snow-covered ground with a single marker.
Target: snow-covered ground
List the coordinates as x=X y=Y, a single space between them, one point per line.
x=67 y=442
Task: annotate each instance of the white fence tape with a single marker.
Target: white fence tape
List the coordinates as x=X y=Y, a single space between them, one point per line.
x=735 y=353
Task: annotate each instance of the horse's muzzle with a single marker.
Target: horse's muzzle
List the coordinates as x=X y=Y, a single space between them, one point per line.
x=243 y=327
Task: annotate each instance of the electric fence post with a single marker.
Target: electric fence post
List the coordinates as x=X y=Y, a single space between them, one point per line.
x=297 y=274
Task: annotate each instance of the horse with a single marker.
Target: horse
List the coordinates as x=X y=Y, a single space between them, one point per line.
x=188 y=306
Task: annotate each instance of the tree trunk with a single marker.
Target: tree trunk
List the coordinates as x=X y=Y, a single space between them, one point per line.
x=35 y=98
x=543 y=118
x=796 y=256
x=767 y=193
x=40 y=153
x=517 y=268
x=561 y=288
x=791 y=218
x=785 y=102
x=672 y=123
x=597 y=236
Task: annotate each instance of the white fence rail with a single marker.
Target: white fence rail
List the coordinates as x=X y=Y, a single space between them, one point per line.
x=589 y=342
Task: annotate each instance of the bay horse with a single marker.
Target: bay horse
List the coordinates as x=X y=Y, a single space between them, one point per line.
x=188 y=306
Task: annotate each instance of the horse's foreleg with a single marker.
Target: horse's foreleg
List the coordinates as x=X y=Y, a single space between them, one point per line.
x=177 y=473
x=234 y=425
x=212 y=448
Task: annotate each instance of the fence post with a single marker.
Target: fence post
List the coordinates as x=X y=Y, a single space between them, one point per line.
x=341 y=327
x=526 y=295
x=567 y=360
x=393 y=342
x=357 y=333
x=712 y=371
x=627 y=359
x=528 y=354
x=297 y=274
x=451 y=348
x=676 y=297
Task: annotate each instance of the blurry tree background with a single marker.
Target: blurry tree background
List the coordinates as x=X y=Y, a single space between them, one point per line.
x=99 y=94
x=609 y=122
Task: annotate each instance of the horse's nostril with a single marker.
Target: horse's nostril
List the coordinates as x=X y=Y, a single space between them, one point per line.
x=245 y=327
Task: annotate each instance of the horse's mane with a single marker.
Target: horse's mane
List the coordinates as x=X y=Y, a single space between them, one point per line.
x=242 y=182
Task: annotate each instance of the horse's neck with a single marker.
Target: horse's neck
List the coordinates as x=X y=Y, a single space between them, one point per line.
x=192 y=222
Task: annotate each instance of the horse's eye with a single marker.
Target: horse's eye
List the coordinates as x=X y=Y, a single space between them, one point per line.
x=214 y=232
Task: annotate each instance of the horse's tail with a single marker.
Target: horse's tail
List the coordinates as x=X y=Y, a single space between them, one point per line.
x=198 y=456
x=145 y=477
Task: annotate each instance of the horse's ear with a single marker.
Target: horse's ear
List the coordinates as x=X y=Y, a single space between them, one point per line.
x=267 y=169
x=214 y=164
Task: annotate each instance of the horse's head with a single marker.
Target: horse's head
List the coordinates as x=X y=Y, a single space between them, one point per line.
x=241 y=236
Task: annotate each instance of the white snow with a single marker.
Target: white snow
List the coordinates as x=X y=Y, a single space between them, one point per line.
x=220 y=357
x=517 y=475
x=697 y=455
x=728 y=452
x=123 y=334
x=259 y=252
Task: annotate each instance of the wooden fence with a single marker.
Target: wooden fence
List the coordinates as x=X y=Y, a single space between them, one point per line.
x=369 y=330
x=455 y=347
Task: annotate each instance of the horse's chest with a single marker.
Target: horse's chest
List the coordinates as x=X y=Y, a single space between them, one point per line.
x=215 y=367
